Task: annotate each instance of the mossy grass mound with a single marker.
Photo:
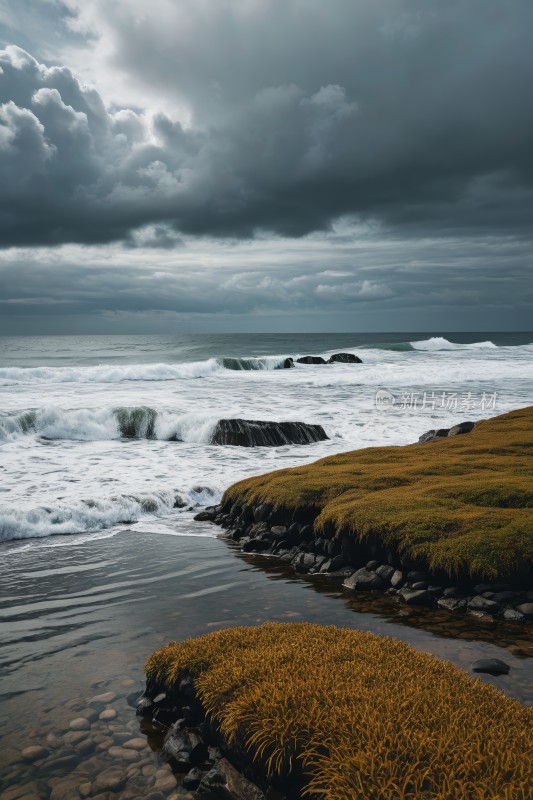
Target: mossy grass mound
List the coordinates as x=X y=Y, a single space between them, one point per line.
x=461 y=505
x=358 y=715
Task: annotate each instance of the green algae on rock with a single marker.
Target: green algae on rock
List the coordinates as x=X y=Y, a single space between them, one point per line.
x=462 y=506
x=353 y=714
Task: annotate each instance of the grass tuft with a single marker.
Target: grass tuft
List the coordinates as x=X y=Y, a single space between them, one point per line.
x=362 y=715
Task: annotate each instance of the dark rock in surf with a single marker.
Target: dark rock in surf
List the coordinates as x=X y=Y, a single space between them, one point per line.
x=344 y=358
x=492 y=666
x=288 y=363
x=256 y=433
x=311 y=360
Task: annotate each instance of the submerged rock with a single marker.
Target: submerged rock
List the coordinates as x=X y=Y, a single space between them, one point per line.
x=256 y=433
x=492 y=666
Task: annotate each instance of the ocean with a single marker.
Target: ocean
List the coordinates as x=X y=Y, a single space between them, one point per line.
x=102 y=562
x=66 y=401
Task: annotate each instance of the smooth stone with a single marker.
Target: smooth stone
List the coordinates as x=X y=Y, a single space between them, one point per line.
x=385 y=572
x=75 y=737
x=480 y=603
x=80 y=724
x=493 y=666
x=108 y=714
x=453 y=591
x=371 y=565
x=482 y=587
x=110 y=780
x=106 y=697
x=414 y=575
x=85 y=789
x=397 y=580
x=165 y=784
x=239 y=786
x=504 y=597
x=512 y=615
x=66 y=789
x=416 y=597
x=526 y=609
x=363 y=579
x=419 y=585
x=34 y=752
x=135 y=744
x=125 y=755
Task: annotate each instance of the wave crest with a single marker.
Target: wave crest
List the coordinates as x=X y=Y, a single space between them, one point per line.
x=440 y=343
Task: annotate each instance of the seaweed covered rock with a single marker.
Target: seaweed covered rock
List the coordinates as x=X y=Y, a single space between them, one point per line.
x=256 y=433
x=391 y=716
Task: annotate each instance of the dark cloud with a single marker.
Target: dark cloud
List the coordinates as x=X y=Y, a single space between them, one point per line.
x=415 y=113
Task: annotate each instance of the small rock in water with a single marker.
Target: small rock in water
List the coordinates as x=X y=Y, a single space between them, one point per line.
x=526 y=609
x=110 y=780
x=135 y=744
x=34 y=752
x=80 y=724
x=105 y=698
x=125 y=755
x=363 y=579
x=492 y=666
x=108 y=714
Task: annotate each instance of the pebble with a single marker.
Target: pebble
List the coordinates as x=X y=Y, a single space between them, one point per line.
x=149 y=770
x=165 y=784
x=125 y=755
x=104 y=699
x=135 y=744
x=34 y=752
x=110 y=780
x=80 y=724
x=85 y=789
x=108 y=714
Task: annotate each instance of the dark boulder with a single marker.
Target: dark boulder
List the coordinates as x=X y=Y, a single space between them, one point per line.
x=363 y=580
x=311 y=360
x=288 y=363
x=492 y=666
x=257 y=433
x=344 y=358
x=416 y=597
x=462 y=427
x=479 y=603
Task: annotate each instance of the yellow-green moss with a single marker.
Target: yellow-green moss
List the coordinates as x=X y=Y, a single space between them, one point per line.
x=367 y=716
x=463 y=503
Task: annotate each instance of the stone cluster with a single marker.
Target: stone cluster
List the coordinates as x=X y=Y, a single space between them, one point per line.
x=274 y=532
x=191 y=745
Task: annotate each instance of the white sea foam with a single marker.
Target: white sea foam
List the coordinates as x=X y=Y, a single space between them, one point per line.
x=440 y=343
x=108 y=432
x=82 y=516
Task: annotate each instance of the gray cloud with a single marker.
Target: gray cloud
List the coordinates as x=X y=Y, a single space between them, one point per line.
x=411 y=112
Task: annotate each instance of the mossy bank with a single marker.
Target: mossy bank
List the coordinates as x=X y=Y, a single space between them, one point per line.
x=308 y=710
x=451 y=516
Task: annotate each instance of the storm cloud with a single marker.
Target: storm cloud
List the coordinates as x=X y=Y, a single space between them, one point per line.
x=276 y=117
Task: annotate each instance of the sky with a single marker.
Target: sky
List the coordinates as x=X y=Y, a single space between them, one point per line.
x=265 y=165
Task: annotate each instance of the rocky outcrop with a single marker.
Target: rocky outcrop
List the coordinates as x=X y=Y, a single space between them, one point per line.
x=256 y=433
x=443 y=433
x=344 y=358
x=311 y=360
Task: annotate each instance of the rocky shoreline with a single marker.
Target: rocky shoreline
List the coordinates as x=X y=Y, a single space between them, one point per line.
x=270 y=532
x=290 y=536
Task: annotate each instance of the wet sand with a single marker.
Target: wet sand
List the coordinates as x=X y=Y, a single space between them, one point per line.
x=80 y=615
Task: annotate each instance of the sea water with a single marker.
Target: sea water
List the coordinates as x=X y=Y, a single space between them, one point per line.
x=66 y=402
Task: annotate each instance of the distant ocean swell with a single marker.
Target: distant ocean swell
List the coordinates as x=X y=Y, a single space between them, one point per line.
x=117 y=373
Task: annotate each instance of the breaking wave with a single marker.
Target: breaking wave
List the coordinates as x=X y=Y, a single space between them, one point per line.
x=129 y=422
x=440 y=343
x=119 y=373
x=91 y=515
